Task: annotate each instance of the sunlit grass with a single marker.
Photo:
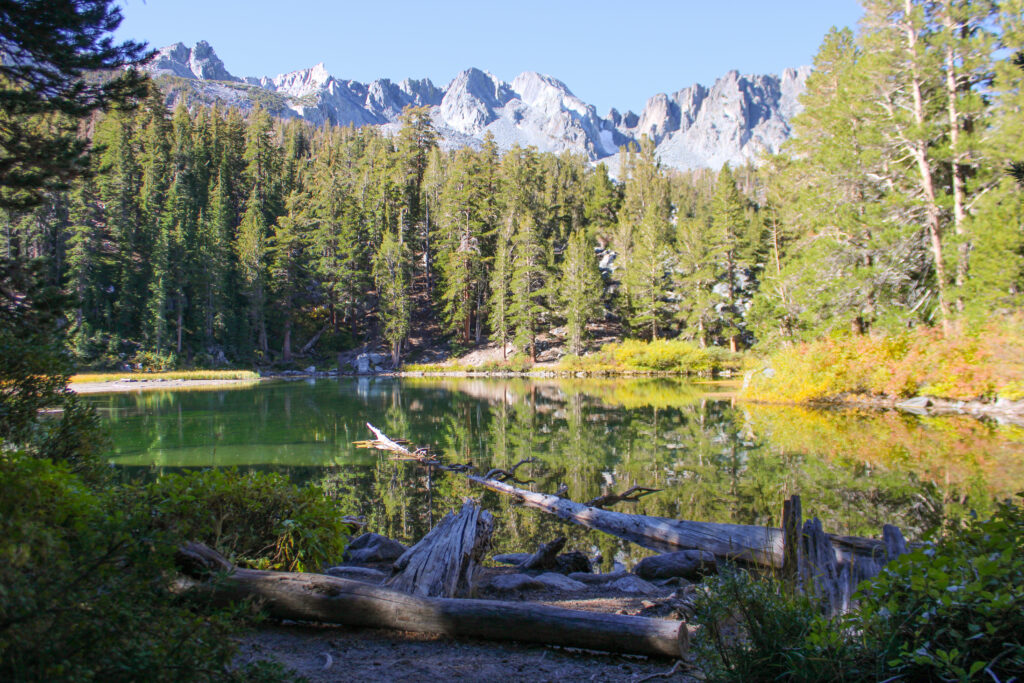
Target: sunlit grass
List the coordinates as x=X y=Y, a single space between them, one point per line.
x=85 y=377
x=668 y=356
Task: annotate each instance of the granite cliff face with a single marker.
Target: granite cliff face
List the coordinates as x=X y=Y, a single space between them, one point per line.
x=738 y=119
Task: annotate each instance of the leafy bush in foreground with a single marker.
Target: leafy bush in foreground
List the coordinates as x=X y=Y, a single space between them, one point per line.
x=253 y=518
x=84 y=590
x=951 y=611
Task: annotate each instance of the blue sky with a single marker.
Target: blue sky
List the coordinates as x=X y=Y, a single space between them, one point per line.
x=608 y=53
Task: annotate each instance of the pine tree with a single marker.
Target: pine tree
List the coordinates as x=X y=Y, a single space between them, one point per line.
x=643 y=239
x=49 y=49
x=728 y=225
x=580 y=288
x=287 y=267
x=416 y=140
x=88 y=266
x=461 y=224
x=251 y=249
x=500 y=286
x=528 y=306
x=391 y=274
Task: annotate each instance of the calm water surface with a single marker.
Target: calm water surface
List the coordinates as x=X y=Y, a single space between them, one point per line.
x=716 y=460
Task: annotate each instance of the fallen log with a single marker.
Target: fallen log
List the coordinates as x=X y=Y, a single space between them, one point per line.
x=320 y=598
x=766 y=546
x=737 y=542
x=446 y=561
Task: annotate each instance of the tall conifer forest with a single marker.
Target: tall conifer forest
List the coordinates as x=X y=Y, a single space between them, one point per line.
x=212 y=236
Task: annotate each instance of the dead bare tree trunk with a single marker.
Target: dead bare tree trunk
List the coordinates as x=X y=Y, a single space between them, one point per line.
x=735 y=542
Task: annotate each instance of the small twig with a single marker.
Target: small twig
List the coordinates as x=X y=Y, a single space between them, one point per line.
x=499 y=474
x=681 y=664
x=330 y=660
x=629 y=496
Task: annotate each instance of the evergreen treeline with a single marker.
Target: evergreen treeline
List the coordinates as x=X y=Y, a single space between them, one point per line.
x=206 y=236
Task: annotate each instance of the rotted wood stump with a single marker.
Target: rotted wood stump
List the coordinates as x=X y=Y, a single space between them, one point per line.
x=446 y=561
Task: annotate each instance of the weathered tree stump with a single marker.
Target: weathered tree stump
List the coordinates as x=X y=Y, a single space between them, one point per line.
x=822 y=565
x=446 y=561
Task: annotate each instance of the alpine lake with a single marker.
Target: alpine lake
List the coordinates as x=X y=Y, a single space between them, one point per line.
x=715 y=459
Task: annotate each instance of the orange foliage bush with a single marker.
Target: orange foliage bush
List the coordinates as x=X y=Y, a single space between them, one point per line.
x=985 y=362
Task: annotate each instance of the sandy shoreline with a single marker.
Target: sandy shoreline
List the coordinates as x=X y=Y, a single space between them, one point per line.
x=126 y=386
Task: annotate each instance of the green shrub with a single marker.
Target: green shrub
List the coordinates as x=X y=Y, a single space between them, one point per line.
x=750 y=629
x=85 y=589
x=950 y=611
x=953 y=610
x=675 y=356
x=255 y=519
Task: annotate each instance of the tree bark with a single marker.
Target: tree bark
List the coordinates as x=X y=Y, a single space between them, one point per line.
x=316 y=597
x=919 y=149
x=446 y=561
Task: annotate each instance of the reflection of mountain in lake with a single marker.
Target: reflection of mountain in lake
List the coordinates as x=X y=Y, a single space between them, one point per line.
x=716 y=461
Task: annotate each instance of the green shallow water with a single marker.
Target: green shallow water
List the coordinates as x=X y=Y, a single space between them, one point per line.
x=715 y=459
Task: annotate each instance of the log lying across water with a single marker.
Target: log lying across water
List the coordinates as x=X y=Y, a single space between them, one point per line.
x=743 y=542
x=317 y=597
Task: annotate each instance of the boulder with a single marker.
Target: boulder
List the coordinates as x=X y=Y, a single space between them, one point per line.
x=687 y=564
x=363 y=364
x=373 y=548
x=560 y=582
x=572 y=561
x=916 y=406
x=597 y=579
x=633 y=584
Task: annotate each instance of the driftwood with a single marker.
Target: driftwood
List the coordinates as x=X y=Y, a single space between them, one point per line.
x=446 y=561
x=738 y=542
x=312 y=342
x=546 y=556
x=316 y=597
x=630 y=495
x=830 y=565
x=383 y=443
x=420 y=455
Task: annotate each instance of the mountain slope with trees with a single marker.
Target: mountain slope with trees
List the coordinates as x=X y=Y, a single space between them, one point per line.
x=207 y=237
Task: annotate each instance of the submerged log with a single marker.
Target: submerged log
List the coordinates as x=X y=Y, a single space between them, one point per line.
x=320 y=598
x=738 y=542
x=446 y=561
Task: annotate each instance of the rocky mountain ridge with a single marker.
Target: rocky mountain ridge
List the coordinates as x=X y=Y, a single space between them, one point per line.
x=738 y=119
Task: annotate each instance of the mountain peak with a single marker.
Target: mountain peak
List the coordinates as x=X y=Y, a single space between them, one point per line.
x=738 y=119
x=199 y=62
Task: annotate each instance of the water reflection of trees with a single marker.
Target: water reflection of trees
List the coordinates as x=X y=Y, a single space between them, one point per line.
x=716 y=461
